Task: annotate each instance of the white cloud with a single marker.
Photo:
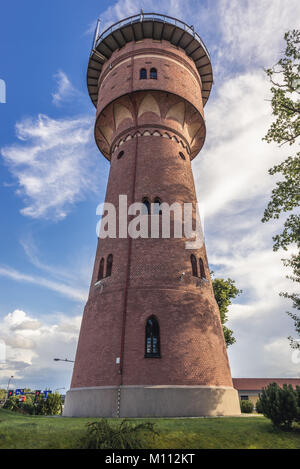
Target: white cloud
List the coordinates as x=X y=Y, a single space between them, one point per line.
x=233 y=165
x=63 y=289
x=65 y=90
x=30 y=352
x=278 y=350
x=53 y=163
x=253 y=30
x=78 y=273
x=125 y=8
x=249 y=32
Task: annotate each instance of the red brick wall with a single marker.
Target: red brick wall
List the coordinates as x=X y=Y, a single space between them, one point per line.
x=177 y=72
x=146 y=273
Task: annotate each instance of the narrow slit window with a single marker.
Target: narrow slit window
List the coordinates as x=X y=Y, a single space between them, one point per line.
x=101 y=270
x=109 y=264
x=143 y=74
x=153 y=74
x=202 y=270
x=152 y=339
x=194 y=265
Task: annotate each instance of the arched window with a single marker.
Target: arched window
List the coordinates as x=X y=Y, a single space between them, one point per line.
x=101 y=270
x=194 y=265
x=109 y=264
x=152 y=340
x=146 y=207
x=181 y=155
x=153 y=74
x=202 y=270
x=120 y=154
x=157 y=209
x=143 y=74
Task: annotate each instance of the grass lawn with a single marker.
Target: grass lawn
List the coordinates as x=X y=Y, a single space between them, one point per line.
x=19 y=431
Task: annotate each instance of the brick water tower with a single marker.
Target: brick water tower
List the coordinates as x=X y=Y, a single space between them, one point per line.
x=151 y=341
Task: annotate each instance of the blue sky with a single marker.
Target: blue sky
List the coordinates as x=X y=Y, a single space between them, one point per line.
x=52 y=177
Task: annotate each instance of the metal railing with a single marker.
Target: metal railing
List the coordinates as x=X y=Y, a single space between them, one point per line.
x=145 y=17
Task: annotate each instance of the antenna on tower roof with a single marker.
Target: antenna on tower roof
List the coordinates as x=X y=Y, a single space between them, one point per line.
x=142 y=15
x=96 y=34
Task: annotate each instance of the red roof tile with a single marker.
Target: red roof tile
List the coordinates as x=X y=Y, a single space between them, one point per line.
x=256 y=384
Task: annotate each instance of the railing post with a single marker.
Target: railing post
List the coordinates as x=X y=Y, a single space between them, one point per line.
x=96 y=34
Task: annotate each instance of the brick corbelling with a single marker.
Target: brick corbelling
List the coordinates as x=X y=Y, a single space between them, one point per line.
x=190 y=284
x=139 y=131
x=178 y=80
x=170 y=127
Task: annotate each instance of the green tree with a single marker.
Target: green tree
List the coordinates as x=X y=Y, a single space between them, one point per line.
x=225 y=291
x=280 y=405
x=285 y=89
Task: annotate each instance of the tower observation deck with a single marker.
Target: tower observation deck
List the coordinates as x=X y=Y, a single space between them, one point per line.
x=148 y=26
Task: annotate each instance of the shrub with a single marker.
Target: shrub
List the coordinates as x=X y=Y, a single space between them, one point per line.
x=258 y=407
x=50 y=406
x=280 y=405
x=27 y=407
x=11 y=404
x=298 y=403
x=102 y=435
x=247 y=407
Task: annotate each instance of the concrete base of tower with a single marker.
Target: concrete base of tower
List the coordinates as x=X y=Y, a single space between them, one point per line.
x=151 y=401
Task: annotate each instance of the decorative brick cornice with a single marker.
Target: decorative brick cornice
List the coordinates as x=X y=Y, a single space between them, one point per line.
x=148 y=131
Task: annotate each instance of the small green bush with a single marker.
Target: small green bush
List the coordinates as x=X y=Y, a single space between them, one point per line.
x=103 y=435
x=280 y=405
x=247 y=407
x=50 y=406
x=27 y=407
x=11 y=404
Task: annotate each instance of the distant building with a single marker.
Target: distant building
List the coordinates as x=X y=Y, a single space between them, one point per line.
x=250 y=388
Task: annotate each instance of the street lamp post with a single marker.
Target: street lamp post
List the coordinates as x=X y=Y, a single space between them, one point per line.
x=63 y=360
x=8 y=389
x=9 y=383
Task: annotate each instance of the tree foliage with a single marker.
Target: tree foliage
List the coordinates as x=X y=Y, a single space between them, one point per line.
x=50 y=406
x=281 y=405
x=258 y=407
x=40 y=406
x=285 y=102
x=225 y=291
